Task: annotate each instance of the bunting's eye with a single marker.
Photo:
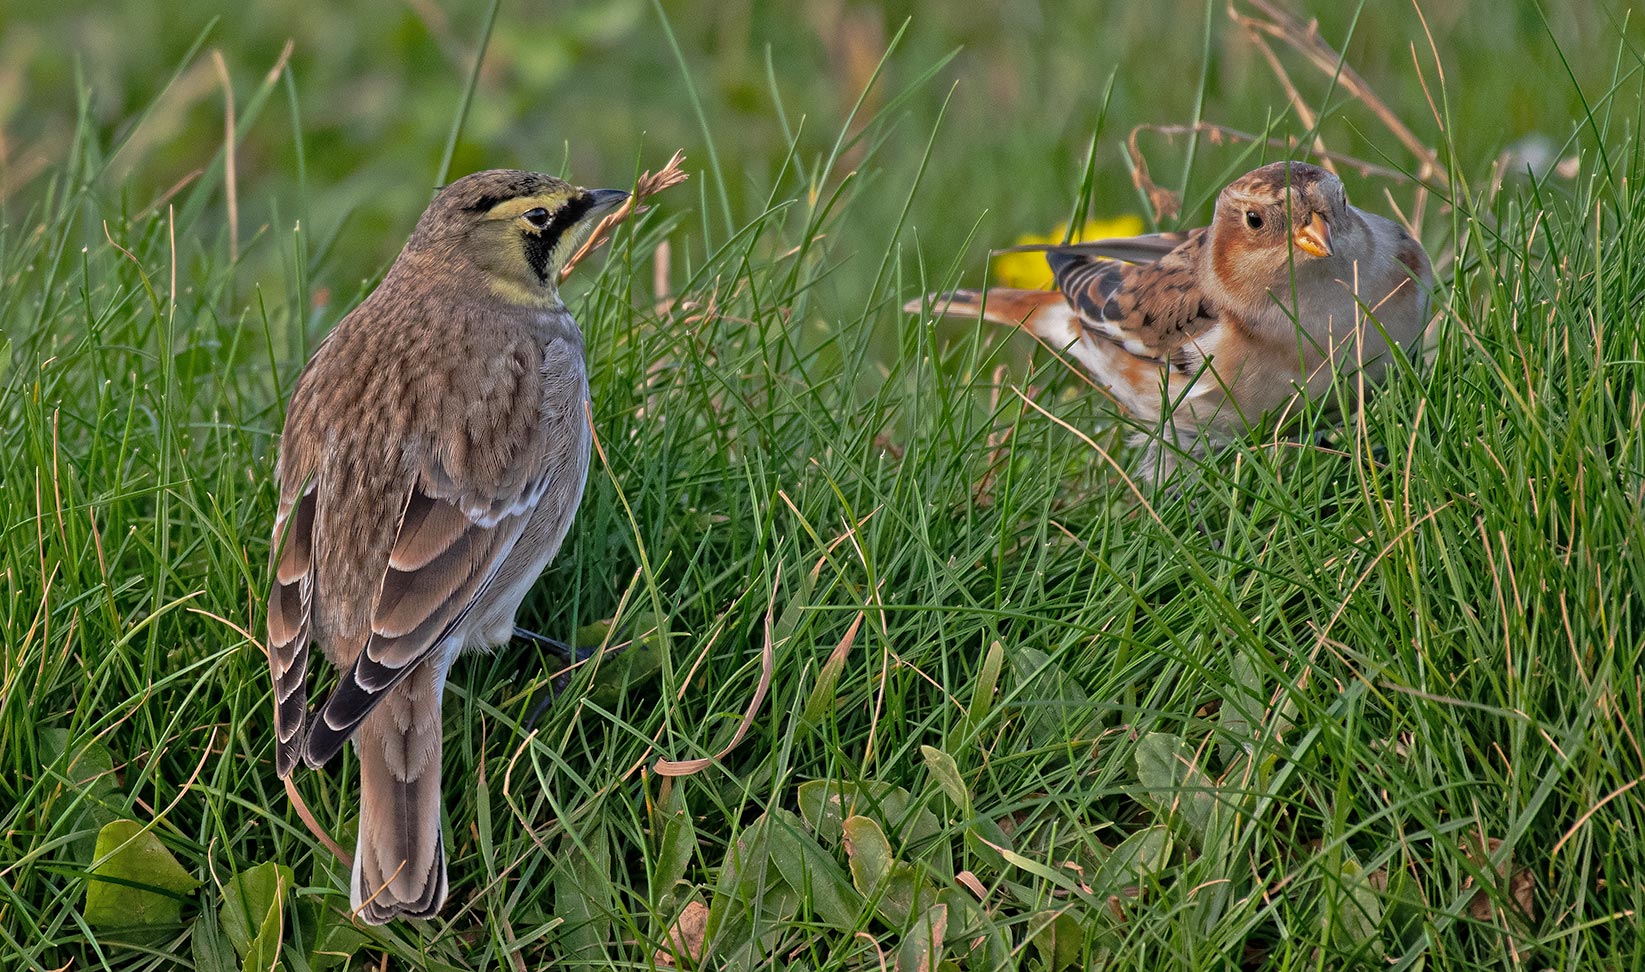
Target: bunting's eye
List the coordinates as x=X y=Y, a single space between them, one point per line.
x=538 y=217
x=1253 y=219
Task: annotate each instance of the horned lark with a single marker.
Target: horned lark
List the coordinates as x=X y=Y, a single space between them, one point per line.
x=1200 y=334
x=433 y=456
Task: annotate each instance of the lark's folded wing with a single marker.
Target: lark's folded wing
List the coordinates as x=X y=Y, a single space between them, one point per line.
x=290 y=600
x=446 y=551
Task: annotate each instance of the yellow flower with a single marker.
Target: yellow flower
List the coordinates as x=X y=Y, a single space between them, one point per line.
x=1029 y=270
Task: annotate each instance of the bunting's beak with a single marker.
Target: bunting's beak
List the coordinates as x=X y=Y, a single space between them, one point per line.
x=1314 y=236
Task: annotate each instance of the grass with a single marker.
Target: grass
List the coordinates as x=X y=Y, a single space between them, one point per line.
x=1353 y=705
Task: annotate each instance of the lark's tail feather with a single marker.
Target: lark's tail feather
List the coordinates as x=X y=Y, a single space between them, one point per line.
x=399 y=862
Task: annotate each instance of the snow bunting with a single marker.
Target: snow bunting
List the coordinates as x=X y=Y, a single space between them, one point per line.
x=1199 y=334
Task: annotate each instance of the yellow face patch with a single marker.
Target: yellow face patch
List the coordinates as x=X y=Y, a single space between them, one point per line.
x=514 y=208
x=528 y=239
x=523 y=242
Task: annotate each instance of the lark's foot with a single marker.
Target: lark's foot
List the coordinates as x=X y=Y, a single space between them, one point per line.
x=567 y=655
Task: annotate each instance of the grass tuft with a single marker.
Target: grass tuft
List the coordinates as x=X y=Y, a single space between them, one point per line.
x=1371 y=700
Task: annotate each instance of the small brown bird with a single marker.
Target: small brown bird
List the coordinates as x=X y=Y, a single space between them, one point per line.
x=1200 y=334
x=433 y=456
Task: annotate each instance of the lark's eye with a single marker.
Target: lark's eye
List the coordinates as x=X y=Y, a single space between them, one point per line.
x=538 y=217
x=1253 y=219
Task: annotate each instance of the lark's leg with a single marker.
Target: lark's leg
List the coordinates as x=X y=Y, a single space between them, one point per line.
x=567 y=655
x=560 y=649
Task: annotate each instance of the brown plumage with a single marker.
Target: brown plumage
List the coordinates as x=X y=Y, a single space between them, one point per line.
x=433 y=456
x=1200 y=334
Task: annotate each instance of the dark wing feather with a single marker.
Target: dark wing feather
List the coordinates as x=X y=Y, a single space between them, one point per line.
x=1088 y=283
x=290 y=598
x=1150 y=309
x=1147 y=248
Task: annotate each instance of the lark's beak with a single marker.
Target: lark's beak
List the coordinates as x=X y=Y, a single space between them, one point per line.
x=1314 y=236
x=604 y=200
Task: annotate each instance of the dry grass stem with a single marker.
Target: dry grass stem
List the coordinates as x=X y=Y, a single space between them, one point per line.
x=1304 y=38
x=1269 y=23
x=1167 y=205
x=649 y=185
x=313 y=825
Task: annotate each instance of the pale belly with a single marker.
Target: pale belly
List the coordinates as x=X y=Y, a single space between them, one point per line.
x=1338 y=343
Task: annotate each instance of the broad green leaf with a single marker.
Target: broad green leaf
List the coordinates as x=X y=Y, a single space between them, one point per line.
x=902 y=888
x=813 y=872
x=675 y=849
x=907 y=893
x=209 y=947
x=869 y=853
x=752 y=903
x=743 y=872
x=592 y=635
x=1354 y=911
x=91 y=794
x=982 y=694
x=1055 y=710
x=748 y=941
x=821 y=699
x=330 y=937
x=1241 y=714
x=136 y=881
x=824 y=804
x=1058 y=938
x=985 y=839
x=822 y=807
x=921 y=949
x=582 y=893
x=1137 y=858
x=745 y=876
x=1173 y=784
x=972 y=935
x=1404 y=912
x=915 y=831
x=947 y=774
x=251 y=910
x=90 y=770
x=636 y=663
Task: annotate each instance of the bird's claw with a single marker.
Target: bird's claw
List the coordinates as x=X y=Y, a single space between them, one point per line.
x=568 y=655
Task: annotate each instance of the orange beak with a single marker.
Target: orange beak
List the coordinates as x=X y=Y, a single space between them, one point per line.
x=1314 y=236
